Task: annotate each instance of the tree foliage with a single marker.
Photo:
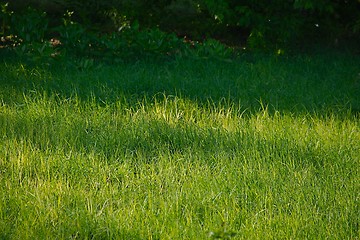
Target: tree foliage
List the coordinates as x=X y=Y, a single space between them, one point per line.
x=259 y=23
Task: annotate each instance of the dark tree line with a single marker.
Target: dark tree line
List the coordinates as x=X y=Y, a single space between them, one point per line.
x=258 y=23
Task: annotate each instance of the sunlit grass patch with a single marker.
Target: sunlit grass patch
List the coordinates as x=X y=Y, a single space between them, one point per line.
x=75 y=163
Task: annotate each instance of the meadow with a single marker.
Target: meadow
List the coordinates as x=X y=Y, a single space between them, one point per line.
x=259 y=147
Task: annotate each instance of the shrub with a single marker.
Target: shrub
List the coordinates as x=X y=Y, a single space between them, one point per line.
x=111 y=28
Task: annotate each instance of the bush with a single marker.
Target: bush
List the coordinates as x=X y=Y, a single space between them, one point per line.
x=283 y=23
x=127 y=28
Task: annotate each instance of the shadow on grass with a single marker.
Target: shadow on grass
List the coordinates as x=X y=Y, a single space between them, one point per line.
x=292 y=84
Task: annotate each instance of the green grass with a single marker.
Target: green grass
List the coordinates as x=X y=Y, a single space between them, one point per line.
x=258 y=148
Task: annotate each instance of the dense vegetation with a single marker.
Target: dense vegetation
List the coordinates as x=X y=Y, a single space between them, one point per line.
x=257 y=24
x=119 y=121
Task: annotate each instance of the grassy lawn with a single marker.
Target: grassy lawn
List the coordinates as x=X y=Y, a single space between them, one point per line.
x=257 y=148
